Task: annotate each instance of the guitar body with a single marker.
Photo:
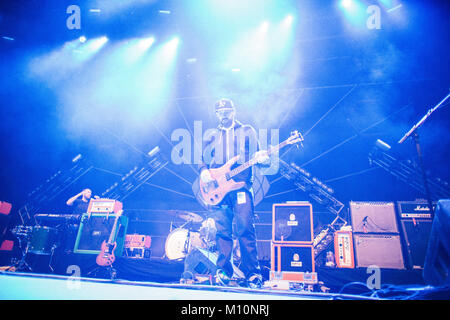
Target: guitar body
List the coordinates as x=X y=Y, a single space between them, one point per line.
x=213 y=192
x=106 y=256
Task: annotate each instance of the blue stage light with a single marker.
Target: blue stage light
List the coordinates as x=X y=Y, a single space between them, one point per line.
x=144 y=45
x=346 y=3
x=354 y=12
x=288 y=20
x=264 y=26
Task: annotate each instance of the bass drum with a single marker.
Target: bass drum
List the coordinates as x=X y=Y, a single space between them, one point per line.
x=180 y=242
x=42 y=240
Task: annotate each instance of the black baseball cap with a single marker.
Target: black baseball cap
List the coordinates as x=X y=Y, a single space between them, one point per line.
x=224 y=104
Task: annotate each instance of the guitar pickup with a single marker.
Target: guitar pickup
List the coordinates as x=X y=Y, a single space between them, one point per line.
x=210 y=186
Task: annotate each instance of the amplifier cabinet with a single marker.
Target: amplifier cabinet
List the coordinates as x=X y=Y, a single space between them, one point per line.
x=373 y=217
x=104 y=206
x=382 y=250
x=137 y=241
x=416 y=233
x=343 y=249
x=292 y=258
x=97 y=228
x=292 y=223
x=414 y=209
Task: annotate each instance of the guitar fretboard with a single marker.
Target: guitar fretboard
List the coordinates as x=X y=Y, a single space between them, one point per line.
x=253 y=161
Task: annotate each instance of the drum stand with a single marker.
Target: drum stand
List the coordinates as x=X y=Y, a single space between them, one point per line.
x=54 y=247
x=21 y=265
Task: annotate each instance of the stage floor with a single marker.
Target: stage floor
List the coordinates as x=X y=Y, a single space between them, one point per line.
x=32 y=286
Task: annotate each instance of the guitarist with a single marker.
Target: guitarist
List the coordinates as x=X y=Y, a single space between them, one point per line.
x=230 y=139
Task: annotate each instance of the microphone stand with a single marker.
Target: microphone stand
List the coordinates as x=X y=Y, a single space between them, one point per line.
x=413 y=132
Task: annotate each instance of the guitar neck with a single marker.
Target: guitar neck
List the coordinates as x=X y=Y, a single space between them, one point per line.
x=113 y=230
x=252 y=162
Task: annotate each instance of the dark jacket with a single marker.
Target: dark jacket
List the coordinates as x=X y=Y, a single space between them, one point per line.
x=223 y=144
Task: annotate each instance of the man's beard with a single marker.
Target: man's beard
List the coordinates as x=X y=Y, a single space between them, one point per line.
x=226 y=122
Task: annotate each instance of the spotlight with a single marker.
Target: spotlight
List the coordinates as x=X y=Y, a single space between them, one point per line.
x=382 y=145
x=144 y=44
x=347 y=3
x=173 y=44
x=264 y=26
x=288 y=20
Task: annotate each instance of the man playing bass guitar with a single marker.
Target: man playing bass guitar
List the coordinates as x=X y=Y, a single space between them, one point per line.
x=233 y=139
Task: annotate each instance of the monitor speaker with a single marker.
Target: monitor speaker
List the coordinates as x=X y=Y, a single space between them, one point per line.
x=201 y=261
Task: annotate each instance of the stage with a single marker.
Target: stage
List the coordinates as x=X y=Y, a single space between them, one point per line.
x=29 y=286
x=159 y=279
x=149 y=147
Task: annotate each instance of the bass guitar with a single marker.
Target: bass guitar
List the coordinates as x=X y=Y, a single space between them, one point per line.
x=106 y=256
x=213 y=192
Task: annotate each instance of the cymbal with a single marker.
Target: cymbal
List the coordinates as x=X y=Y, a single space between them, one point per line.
x=190 y=216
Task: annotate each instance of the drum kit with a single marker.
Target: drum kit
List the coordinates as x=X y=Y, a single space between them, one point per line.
x=42 y=240
x=39 y=240
x=196 y=232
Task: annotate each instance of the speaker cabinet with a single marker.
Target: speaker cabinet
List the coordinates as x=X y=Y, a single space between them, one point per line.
x=292 y=223
x=416 y=233
x=437 y=260
x=97 y=228
x=292 y=258
x=382 y=250
x=373 y=217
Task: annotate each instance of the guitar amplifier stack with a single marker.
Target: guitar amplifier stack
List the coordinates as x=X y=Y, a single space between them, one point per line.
x=416 y=221
x=292 y=251
x=376 y=235
x=97 y=224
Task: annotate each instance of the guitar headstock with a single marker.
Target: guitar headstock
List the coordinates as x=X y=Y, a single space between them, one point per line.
x=295 y=137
